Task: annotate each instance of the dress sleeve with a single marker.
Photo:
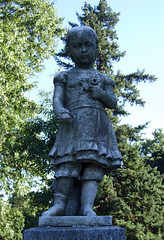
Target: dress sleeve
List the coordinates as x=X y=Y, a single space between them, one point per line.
x=108 y=81
x=60 y=78
x=109 y=98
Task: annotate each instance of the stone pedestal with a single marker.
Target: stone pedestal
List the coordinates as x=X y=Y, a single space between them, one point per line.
x=75 y=228
x=75 y=233
x=75 y=221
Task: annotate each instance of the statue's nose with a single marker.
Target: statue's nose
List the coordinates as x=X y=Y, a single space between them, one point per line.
x=84 y=48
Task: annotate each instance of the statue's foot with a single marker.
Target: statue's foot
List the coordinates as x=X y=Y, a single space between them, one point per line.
x=54 y=211
x=87 y=212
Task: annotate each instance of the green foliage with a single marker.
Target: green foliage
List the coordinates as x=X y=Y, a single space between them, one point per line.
x=37 y=138
x=103 y=20
x=32 y=205
x=134 y=194
x=134 y=197
x=106 y=197
x=33 y=142
x=140 y=197
x=28 y=34
x=37 y=203
x=11 y=222
x=153 y=150
x=28 y=31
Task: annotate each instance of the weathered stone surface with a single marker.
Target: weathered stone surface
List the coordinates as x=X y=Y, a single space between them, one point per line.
x=69 y=221
x=75 y=233
x=85 y=145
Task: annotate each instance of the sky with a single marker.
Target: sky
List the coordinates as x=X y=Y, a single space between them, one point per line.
x=140 y=33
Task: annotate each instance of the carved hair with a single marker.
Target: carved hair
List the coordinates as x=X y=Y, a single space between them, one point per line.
x=75 y=30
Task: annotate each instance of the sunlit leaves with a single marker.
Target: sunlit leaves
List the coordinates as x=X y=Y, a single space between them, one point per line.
x=29 y=31
x=28 y=34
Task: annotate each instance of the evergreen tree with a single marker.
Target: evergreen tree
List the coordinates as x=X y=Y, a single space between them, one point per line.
x=134 y=197
x=103 y=20
x=153 y=150
x=134 y=194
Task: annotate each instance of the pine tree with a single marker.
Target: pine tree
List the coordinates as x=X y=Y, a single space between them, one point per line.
x=134 y=194
x=134 y=198
x=103 y=20
x=153 y=150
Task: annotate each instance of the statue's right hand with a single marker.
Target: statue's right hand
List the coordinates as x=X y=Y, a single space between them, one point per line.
x=66 y=116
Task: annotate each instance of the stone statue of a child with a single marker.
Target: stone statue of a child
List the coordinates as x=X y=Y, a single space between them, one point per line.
x=85 y=146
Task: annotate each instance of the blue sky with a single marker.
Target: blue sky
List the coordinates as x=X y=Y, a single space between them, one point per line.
x=141 y=34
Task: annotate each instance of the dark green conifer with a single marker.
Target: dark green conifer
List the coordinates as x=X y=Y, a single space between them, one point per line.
x=153 y=150
x=134 y=194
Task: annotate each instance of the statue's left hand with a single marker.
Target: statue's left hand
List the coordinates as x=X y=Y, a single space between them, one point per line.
x=96 y=92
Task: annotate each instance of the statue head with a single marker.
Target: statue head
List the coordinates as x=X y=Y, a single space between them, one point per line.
x=82 y=45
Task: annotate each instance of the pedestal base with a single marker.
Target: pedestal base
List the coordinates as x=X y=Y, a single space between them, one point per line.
x=75 y=233
x=74 y=221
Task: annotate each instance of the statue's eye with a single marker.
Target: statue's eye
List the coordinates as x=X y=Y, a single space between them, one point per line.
x=78 y=45
x=88 y=44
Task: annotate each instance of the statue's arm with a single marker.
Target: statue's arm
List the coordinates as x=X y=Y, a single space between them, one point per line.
x=58 y=105
x=58 y=100
x=108 y=98
x=105 y=95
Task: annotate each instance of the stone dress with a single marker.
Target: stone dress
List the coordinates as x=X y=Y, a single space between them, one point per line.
x=90 y=136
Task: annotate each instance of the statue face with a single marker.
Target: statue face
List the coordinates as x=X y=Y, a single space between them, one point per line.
x=83 y=49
